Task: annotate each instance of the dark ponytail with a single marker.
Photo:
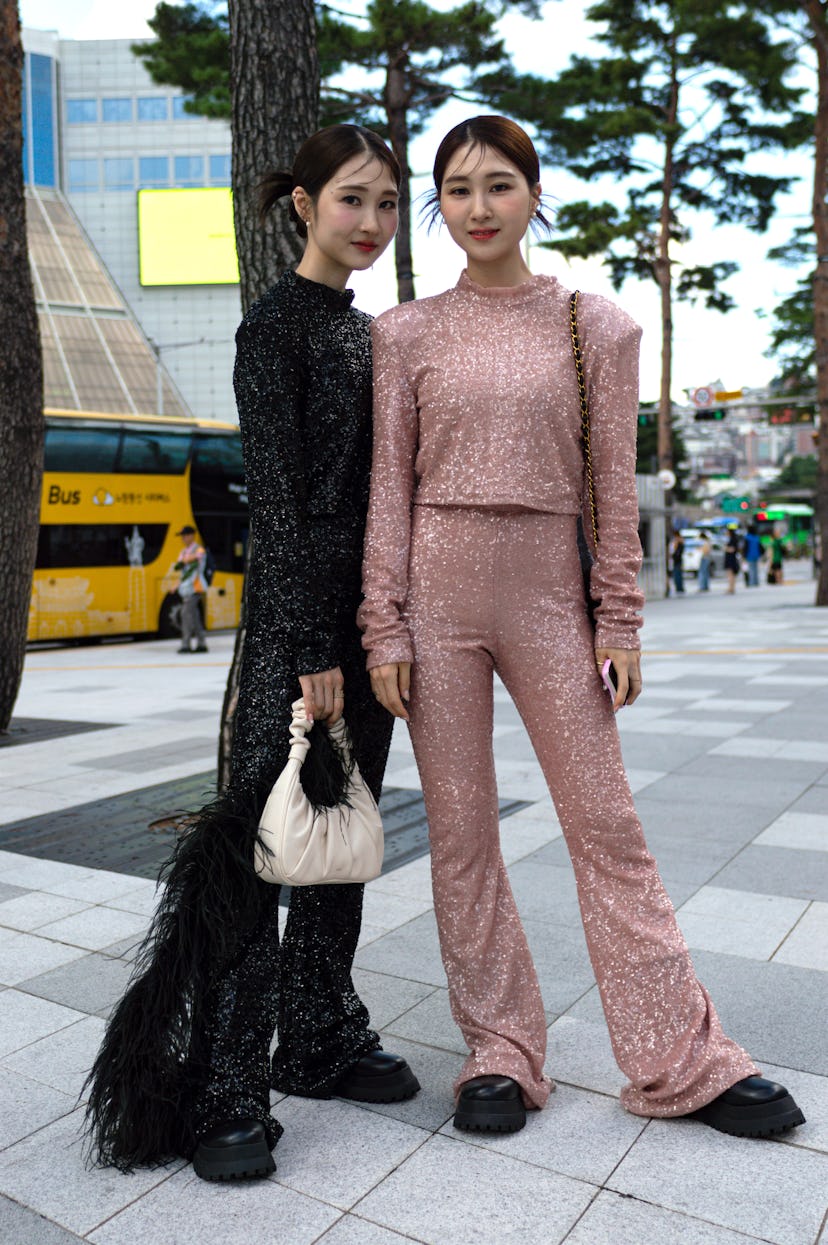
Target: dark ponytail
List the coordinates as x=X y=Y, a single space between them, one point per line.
x=317 y=160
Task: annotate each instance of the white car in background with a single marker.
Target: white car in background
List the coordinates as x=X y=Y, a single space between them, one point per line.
x=693 y=541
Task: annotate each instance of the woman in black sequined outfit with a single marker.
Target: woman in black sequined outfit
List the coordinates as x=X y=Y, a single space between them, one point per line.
x=184 y=1068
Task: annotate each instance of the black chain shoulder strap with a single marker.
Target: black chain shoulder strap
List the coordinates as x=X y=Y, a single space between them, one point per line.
x=577 y=354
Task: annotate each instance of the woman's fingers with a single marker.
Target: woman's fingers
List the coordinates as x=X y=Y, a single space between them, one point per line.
x=386 y=685
x=627 y=665
x=323 y=694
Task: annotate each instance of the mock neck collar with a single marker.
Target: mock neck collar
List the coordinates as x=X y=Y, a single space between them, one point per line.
x=525 y=292
x=325 y=295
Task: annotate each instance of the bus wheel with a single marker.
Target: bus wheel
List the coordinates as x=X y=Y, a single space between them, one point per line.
x=169 y=621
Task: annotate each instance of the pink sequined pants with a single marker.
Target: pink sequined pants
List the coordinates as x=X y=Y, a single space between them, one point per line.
x=502 y=591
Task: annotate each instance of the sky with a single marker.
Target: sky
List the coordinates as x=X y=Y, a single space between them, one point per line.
x=708 y=347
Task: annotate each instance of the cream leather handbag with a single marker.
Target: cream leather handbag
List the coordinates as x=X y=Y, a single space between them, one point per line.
x=303 y=847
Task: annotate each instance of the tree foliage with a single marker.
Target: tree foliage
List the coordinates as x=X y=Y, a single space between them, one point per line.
x=678 y=107
x=414 y=58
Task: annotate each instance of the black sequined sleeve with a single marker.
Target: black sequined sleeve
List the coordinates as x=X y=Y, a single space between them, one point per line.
x=270 y=386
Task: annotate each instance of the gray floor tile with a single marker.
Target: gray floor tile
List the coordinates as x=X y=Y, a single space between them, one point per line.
x=813 y=801
x=449 y=1193
x=92 y=984
x=667 y=753
x=436 y=1070
x=20 y=1226
x=545 y=892
x=387 y=997
x=773 y=770
x=61 y=1060
x=811 y=1094
x=777 y=871
x=350 y=1230
x=775 y=1011
x=24 y=1019
x=768 y=794
x=431 y=1022
x=11 y=892
x=580 y=1053
x=27 y=1106
x=759 y=1188
x=27 y=955
x=47 y=1173
x=626 y=1221
x=577 y=1134
x=412 y=952
x=185 y=1209
x=33 y=909
x=562 y=963
x=311 y=1158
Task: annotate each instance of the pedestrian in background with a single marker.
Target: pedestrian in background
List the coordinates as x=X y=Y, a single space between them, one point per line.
x=185 y=1067
x=677 y=561
x=732 y=549
x=705 y=562
x=776 y=573
x=753 y=556
x=472 y=569
x=192 y=589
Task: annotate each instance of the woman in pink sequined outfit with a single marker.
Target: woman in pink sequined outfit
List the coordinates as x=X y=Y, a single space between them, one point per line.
x=472 y=568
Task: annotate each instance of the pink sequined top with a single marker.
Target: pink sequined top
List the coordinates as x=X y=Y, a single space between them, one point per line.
x=476 y=404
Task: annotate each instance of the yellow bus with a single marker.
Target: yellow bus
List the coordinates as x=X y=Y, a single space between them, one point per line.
x=116 y=489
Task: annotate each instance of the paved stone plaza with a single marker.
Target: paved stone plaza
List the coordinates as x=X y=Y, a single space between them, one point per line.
x=728 y=754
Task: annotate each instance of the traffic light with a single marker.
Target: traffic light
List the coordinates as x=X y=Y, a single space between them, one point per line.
x=708 y=413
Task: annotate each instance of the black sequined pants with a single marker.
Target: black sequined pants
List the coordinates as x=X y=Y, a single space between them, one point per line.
x=304 y=985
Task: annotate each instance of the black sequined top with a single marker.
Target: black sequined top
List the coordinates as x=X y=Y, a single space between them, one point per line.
x=303 y=387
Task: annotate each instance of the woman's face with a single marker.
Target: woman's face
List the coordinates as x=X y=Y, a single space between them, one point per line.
x=354 y=217
x=486 y=203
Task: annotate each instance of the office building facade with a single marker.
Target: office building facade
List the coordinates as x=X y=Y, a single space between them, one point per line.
x=98 y=129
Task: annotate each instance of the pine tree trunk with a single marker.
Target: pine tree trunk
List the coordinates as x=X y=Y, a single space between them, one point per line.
x=397 y=98
x=818 y=17
x=665 y=282
x=274 y=83
x=21 y=378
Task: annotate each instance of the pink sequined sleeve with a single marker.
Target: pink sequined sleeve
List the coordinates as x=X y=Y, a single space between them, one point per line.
x=612 y=386
x=388 y=531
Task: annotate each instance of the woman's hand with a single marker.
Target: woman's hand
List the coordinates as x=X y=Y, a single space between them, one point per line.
x=324 y=695
x=390 y=684
x=627 y=662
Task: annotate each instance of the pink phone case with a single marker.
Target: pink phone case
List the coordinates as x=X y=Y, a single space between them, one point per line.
x=608 y=683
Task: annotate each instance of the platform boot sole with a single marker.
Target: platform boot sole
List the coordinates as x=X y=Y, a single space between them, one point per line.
x=233 y=1162
x=490 y=1117
x=767 y=1120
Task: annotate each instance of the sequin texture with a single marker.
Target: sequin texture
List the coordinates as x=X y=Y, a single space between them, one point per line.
x=471 y=570
x=188 y=1045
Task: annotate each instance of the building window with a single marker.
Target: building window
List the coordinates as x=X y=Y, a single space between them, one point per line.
x=153 y=108
x=119 y=173
x=39 y=108
x=83 y=175
x=220 y=170
x=81 y=111
x=154 y=171
x=117 y=109
x=189 y=170
x=179 y=111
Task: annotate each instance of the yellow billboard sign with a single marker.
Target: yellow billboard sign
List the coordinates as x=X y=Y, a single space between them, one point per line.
x=186 y=237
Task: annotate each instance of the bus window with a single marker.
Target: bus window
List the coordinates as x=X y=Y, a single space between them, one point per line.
x=64 y=545
x=217 y=474
x=81 y=449
x=153 y=452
